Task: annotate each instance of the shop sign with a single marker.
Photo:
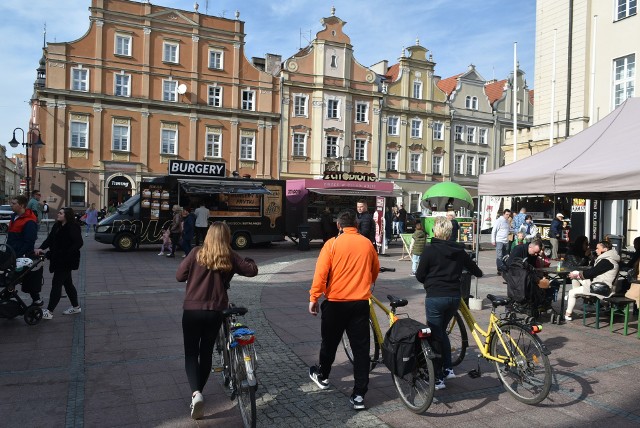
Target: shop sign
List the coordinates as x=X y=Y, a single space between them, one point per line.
x=349 y=176
x=120 y=182
x=195 y=168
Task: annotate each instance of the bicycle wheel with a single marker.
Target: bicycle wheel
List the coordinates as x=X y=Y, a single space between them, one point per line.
x=374 y=347
x=527 y=373
x=223 y=356
x=245 y=392
x=458 y=338
x=416 y=388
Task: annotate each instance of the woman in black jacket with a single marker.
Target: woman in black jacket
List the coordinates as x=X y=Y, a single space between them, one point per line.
x=440 y=269
x=64 y=243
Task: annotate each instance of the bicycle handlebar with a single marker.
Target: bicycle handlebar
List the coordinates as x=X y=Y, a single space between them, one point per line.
x=385 y=269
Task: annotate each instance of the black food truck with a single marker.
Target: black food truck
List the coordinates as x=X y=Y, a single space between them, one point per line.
x=253 y=208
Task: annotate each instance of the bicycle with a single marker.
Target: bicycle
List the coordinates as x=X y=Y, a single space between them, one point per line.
x=238 y=362
x=511 y=343
x=416 y=389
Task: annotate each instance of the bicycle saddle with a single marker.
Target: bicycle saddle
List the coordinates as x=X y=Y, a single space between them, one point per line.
x=236 y=310
x=497 y=300
x=396 y=302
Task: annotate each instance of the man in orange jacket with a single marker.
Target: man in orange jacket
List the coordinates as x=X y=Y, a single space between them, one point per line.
x=346 y=267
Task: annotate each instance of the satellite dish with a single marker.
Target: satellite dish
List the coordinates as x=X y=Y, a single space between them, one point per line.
x=182 y=88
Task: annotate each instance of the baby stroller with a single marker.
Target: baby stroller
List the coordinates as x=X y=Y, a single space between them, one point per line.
x=14 y=271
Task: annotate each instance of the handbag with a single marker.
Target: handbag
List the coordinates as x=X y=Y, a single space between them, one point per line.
x=600 y=288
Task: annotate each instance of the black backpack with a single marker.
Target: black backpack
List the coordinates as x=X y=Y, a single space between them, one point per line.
x=522 y=283
x=400 y=347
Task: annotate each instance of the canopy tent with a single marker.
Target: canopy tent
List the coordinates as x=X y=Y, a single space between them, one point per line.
x=447 y=194
x=599 y=163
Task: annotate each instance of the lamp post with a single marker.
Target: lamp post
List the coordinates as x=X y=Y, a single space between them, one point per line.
x=38 y=144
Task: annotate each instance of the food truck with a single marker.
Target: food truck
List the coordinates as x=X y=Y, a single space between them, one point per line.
x=337 y=190
x=254 y=209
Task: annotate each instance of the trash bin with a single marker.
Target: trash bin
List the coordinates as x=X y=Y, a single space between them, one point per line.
x=616 y=242
x=303 y=237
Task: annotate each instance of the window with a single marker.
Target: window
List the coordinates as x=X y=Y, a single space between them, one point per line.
x=122 y=85
x=214 y=144
x=471 y=102
x=482 y=138
x=169 y=142
x=80 y=79
x=392 y=126
x=416 y=128
x=333 y=109
x=79 y=135
x=215 y=59
x=436 y=165
x=247 y=148
x=471 y=134
x=362 y=112
x=471 y=165
x=299 y=144
x=248 y=100
x=332 y=147
x=467 y=101
x=170 y=52
x=457 y=163
x=417 y=90
x=624 y=72
x=437 y=131
x=625 y=8
x=77 y=194
x=300 y=105
x=415 y=162
x=123 y=45
x=458 y=131
x=360 y=151
x=169 y=90
x=215 y=96
x=120 y=138
x=392 y=161
x=334 y=61
x=482 y=161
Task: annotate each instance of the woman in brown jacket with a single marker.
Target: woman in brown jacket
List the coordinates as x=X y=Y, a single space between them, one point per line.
x=208 y=271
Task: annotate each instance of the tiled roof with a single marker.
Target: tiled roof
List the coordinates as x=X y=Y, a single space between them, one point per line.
x=392 y=72
x=531 y=96
x=494 y=90
x=449 y=84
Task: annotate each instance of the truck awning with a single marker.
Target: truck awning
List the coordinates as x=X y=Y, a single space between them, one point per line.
x=237 y=187
x=358 y=192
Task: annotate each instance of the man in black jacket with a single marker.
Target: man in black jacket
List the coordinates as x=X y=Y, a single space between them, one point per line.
x=528 y=252
x=366 y=226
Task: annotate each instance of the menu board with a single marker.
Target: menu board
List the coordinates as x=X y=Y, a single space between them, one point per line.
x=465 y=234
x=154 y=202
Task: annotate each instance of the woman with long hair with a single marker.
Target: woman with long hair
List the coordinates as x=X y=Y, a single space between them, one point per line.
x=64 y=243
x=208 y=271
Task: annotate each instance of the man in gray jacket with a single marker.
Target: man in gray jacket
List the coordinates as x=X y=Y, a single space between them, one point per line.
x=500 y=239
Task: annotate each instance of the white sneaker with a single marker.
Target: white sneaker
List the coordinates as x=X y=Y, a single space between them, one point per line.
x=46 y=315
x=317 y=378
x=197 y=406
x=86 y=234
x=72 y=310
x=449 y=374
x=357 y=401
x=568 y=317
x=440 y=384
x=161 y=253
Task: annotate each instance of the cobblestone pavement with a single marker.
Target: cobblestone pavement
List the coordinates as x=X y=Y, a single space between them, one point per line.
x=120 y=362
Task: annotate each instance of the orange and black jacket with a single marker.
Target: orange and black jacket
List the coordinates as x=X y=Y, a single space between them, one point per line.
x=22 y=233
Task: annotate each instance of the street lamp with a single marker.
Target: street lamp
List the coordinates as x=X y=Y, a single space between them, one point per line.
x=38 y=144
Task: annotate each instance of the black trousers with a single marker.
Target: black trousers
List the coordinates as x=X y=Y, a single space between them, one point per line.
x=199 y=331
x=62 y=278
x=201 y=232
x=175 y=241
x=352 y=317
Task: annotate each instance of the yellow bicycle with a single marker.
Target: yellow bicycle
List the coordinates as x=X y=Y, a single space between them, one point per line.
x=511 y=343
x=416 y=389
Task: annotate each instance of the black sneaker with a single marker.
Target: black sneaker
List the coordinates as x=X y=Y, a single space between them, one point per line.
x=317 y=378
x=357 y=401
x=38 y=302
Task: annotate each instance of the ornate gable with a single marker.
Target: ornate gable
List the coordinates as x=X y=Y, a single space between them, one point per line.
x=172 y=15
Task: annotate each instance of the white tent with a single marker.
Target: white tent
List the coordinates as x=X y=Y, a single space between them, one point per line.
x=600 y=162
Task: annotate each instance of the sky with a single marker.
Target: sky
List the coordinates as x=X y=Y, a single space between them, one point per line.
x=457 y=34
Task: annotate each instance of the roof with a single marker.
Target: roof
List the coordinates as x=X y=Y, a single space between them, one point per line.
x=393 y=72
x=531 y=98
x=494 y=90
x=449 y=84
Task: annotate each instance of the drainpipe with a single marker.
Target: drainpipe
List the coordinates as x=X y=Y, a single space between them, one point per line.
x=381 y=103
x=280 y=147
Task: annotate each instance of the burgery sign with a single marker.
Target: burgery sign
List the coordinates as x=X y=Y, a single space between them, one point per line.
x=195 y=168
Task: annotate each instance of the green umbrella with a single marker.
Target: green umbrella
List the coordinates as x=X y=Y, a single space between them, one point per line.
x=442 y=195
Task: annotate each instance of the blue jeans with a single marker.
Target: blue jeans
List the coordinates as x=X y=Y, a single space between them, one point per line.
x=415 y=260
x=501 y=251
x=440 y=311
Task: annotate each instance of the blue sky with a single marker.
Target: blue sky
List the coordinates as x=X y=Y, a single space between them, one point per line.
x=457 y=33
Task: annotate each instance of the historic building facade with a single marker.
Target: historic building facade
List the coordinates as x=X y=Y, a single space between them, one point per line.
x=144 y=85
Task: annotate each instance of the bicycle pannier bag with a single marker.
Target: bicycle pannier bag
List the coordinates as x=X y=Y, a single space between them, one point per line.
x=522 y=282
x=399 y=349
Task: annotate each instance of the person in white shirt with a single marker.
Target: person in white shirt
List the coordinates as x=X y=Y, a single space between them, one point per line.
x=202 y=223
x=500 y=239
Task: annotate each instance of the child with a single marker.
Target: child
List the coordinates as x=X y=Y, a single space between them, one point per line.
x=166 y=242
x=519 y=240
